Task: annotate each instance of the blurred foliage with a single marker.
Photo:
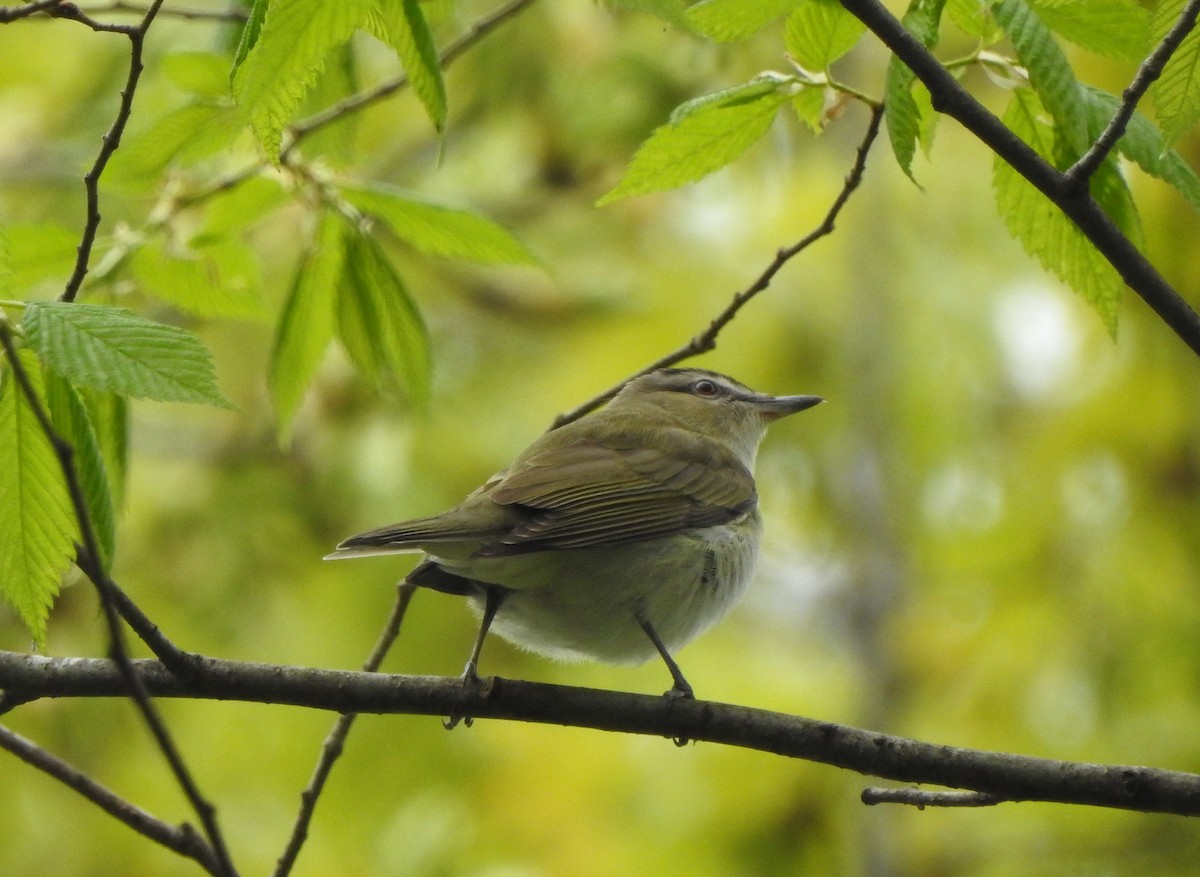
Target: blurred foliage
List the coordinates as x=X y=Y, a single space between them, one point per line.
x=987 y=539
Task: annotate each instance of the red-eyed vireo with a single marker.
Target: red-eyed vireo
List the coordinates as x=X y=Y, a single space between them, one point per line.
x=619 y=536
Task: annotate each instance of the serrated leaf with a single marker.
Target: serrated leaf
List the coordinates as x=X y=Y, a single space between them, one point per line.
x=436 y=229
x=219 y=279
x=73 y=423
x=307 y=323
x=1177 y=91
x=974 y=18
x=286 y=59
x=729 y=20
x=117 y=351
x=809 y=104
x=194 y=130
x=203 y=74
x=402 y=25
x=1114 y=28
x=1142 y=144
x=819 y=32
x=249 y=36
x=708 y=136
x=39 y=252
x=333 y=142
x=37 y=528
x=377 y=321
x=1050 y=73
x=109 y=415
x=1041 y=227
x=902 y=113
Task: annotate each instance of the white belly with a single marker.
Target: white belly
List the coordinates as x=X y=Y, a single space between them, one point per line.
x=585 y=603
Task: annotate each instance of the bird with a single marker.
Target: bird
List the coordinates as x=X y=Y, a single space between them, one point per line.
x=616 y=537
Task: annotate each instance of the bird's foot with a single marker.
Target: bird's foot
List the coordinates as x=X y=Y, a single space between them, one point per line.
x=680 y=691
x=472 y=683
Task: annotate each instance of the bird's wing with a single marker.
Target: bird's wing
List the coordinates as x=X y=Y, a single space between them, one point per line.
x=592 y=493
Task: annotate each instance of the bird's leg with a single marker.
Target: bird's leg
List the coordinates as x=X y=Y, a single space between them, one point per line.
x=493 y=598
x=681 y=688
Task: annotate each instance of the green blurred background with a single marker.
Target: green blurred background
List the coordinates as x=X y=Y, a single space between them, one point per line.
x=987 y=538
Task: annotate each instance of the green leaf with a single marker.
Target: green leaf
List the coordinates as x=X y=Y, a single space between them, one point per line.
x=37 y=528
x=306 y=325
x=203 y=74
x=1050 y=73
x=109 y=415
x=189 y=132
x=729 y=20
x=333 y=142
x=73 y=423
x=1177 y=91
x=809 y=104
x=249 y=36
x=236 y=209
x=902 y=112
x=117 y=351
x=974 y=18
x=819 y=32
x=673 y=12
x=436 y=229
x=702 y=136
x=377 y=321
x=287 y=58
x=219 y=279
x=1040 y=226
x=402 y=25
x=1114 y=28
x=39 y=252
x=1142 y=144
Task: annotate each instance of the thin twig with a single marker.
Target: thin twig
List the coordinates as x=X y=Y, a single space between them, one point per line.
x=922 y=798
x=111 y=139
x=88 y=560
x=1151 y=69
x=335 y=741
x=12 y=13
x=232 y=14
x=180 y=839
x=707 y=340
x=175 y=658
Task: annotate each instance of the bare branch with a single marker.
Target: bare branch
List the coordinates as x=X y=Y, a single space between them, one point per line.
x=335 y=741
x=951 y=98
x=1151 y=69
x=180 y=839
x=232 y=14
x=707 y=340
x=111 y=139
x=922 y=798
x=1011 y=777
x=12 y=13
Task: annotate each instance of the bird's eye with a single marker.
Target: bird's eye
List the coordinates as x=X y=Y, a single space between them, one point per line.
x=705 y=388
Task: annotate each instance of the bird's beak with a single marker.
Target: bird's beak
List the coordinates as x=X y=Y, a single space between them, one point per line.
x=775 y=407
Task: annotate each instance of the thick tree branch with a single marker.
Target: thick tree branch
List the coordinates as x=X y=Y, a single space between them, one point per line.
x=707 y=340
x=1008 y=777
x=180 y=839
x=951 y=98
